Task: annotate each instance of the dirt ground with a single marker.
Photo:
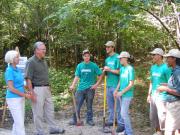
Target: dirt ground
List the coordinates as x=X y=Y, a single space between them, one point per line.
x=140 y=121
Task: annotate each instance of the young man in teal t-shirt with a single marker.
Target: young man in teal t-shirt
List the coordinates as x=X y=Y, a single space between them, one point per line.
x=159 y=74
x=86 y=72
x=112 y=68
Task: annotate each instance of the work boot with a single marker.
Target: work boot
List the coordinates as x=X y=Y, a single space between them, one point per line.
x=56 y=131
x=109 y=124
x=91 y=123
x=120 y=128
x=72 y=122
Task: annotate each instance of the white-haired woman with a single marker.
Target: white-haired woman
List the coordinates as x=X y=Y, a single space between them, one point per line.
x=15 y=95
x=125 y=89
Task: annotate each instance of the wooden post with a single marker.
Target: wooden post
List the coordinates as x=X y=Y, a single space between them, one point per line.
x=4 y=113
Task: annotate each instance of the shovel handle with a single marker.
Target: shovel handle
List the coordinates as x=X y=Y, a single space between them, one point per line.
x=75 y=107
x=104 y=113
x=115 y=106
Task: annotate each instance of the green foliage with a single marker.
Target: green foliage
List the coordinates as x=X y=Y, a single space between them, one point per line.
x=2 y=83
x=60 y=81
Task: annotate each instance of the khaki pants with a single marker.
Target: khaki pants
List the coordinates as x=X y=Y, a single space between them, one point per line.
x=43 y=108
x=173 y=117
x=158 y=113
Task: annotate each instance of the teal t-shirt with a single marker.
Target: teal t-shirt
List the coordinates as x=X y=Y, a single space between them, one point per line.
x=87 y=72
x=159 y=74
x=114 y=64
x=14 y=74
x=126 y=75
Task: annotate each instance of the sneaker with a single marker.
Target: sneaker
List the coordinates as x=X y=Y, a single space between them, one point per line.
x=121 y=133
x=109 y=124
x=158 y=133
x=91 y=123
x=72 y=122
x=57 y=131
x=120 y=129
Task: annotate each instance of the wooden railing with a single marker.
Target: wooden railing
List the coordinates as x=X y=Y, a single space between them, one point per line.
x=4 y=107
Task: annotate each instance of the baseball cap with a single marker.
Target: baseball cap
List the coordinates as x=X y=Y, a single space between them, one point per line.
x=158 y=51
x=124 y=54
x=110 y=43
x=86 y=51
x=173 y=53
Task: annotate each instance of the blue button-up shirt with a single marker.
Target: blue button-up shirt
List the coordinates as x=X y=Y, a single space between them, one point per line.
x=174 y=83
x=14 y=75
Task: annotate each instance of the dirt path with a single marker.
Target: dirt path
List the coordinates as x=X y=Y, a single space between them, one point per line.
x=140 y=121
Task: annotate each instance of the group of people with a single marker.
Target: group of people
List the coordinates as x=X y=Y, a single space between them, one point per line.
x=163 y=96
x=39 y=91
x=164 y=92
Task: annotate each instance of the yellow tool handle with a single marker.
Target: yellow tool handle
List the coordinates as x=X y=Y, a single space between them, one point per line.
x=104 y=95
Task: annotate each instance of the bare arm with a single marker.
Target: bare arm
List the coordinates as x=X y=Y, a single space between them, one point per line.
x=167 y=89
x=30 y=88
x=76 y=79
x=98 y=81
x=131 y=83
x=116 y=71
x=12 y=89
x=29 y=85
x=116 y=90
x=149 y=92
x=173 y=92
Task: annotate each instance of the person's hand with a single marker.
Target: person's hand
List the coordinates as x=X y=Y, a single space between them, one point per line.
x=162 y=88
x=164 y=84
x=148 y=98
x=71 y=88
x=33 y=96
x=106 y=68
x=94 y=87
x=115 y=93
x=28 y=95
x=119 y=94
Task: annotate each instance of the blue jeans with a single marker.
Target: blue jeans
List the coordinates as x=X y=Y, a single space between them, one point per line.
x=80 y=96
x=110 y=103
x=124 y=109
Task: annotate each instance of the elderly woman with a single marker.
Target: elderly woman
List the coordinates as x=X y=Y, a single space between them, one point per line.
x=15 y=95
x=173 y=90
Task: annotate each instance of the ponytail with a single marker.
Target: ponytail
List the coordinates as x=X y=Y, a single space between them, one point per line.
x=131 y=60
x=178 y=61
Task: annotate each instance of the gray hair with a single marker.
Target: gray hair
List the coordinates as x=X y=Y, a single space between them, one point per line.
x=37 y=44
x=10 y=55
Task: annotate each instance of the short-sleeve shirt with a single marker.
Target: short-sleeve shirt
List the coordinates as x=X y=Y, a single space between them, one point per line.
x=113 y=63
x=87 y=73
x=159 y=74
x=174 y=83
x=37 y=71
x=15 y=75
x=126 y=75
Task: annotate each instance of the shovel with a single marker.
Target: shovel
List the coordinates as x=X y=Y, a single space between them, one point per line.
x=105 y=129
x=79 y=122
x=114 y=121
x=104 y=107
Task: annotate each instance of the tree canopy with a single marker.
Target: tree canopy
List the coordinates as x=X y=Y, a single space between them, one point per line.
x=69 y=26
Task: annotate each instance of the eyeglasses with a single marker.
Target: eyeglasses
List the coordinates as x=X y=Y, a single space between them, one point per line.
x=41 y=49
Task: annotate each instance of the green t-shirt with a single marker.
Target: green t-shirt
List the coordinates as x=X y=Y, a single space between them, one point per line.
x=114 y=64
x=159 y=74
x=87 y=72
x=126 y=75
